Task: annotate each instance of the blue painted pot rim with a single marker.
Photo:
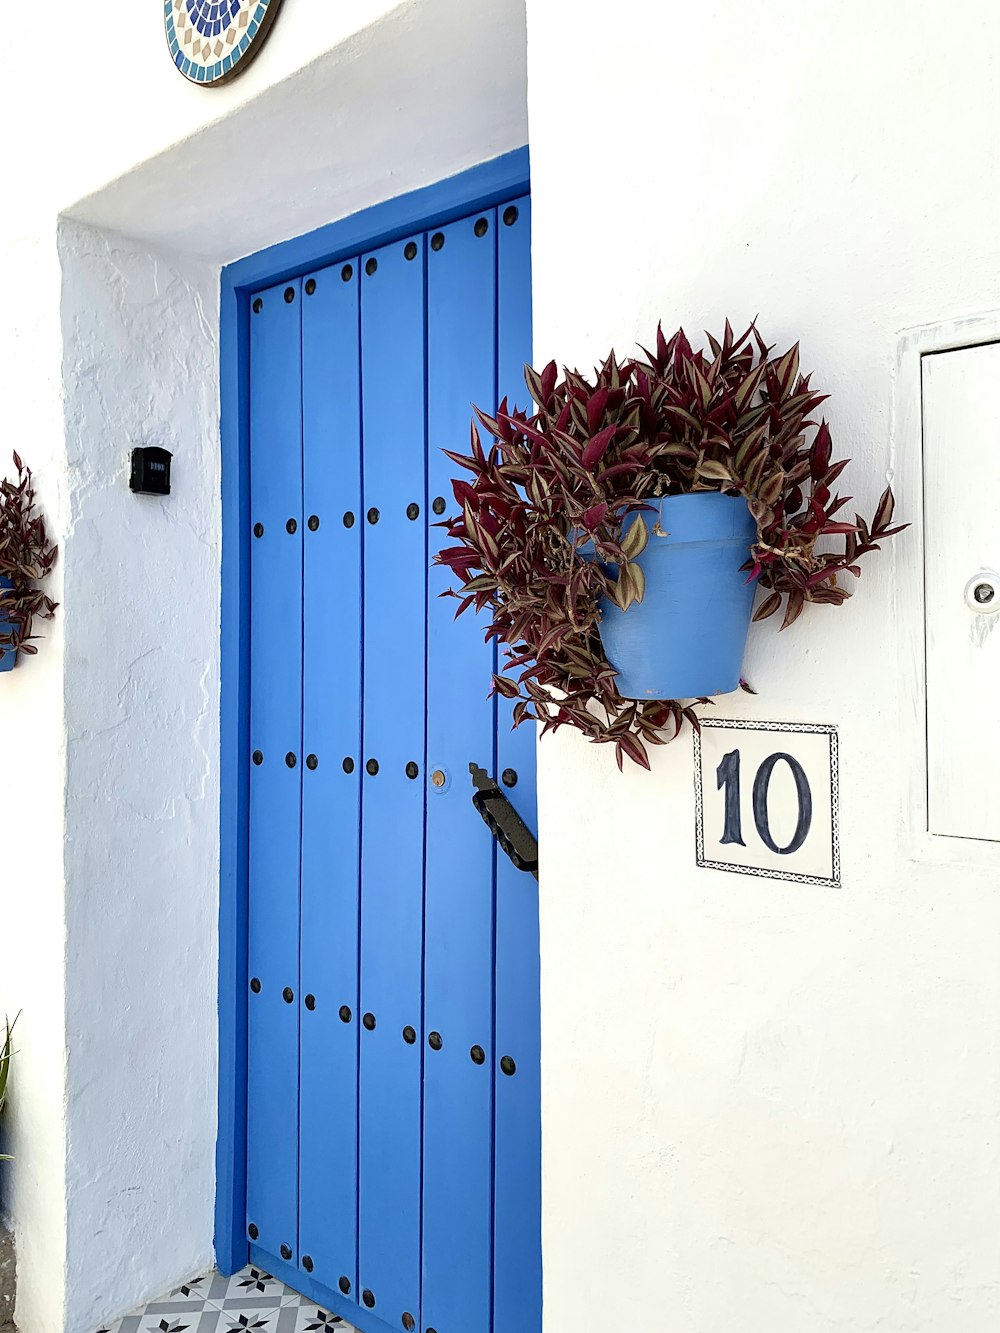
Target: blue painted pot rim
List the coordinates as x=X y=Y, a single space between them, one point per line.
x=698 y=516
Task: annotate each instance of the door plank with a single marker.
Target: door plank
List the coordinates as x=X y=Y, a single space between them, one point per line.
x=458 y=1095
x=275 y=787
x=392 y=851
x=331 y=815
x=517 y=1199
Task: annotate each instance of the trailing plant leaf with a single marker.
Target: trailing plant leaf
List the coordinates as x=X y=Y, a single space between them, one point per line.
x=26 y=557
x=539 y=539
x=636 y=539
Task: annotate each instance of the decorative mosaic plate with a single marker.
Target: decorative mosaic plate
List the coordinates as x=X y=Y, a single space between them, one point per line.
x=213 y=40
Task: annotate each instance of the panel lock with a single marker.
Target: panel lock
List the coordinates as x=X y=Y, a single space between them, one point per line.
x=982 y=593
x=503 y=821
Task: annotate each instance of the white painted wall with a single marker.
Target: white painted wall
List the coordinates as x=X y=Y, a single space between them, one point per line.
x=111 y=810
x=142 y=782
x=767 y=1106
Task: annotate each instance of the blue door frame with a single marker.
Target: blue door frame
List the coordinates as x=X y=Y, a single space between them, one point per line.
x=480 y=187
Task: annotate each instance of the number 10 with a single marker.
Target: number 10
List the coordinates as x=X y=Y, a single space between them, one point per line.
x=728 y=776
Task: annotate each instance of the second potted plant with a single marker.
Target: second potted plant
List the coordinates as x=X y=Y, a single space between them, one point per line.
x=617 y=535
x=26 y=556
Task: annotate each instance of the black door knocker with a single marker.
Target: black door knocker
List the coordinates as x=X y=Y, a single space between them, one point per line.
x=503 y=821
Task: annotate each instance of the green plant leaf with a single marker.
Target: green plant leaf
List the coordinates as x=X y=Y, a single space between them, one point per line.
x=636 y=539
x=712 y=470
x=638 y=582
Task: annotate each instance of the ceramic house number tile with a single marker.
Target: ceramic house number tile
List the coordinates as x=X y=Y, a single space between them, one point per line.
x=766 y=800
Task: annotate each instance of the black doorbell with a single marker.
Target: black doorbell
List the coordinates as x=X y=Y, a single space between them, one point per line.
x=150 y=471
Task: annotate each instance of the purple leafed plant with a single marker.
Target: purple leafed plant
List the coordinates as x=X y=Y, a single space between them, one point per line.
x=26 y=557
x=552 y=489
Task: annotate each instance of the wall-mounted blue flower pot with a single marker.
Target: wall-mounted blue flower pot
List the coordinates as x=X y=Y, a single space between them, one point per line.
x=686 y=637
x=8 y=656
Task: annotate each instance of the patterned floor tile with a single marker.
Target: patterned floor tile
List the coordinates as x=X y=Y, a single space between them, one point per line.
x=316 y=1319
x=166 y=1309
x=195 y=1290
x=250 y=1286
x=253 y=1319
x=202 y=1320
x=251 y=1301
x=312 y=1319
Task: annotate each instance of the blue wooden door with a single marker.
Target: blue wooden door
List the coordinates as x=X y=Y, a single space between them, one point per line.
x=393 y=1121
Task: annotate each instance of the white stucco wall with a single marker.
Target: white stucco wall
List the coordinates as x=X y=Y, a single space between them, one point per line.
x=109 y=339
x=769 y=1106
x=142 y=781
